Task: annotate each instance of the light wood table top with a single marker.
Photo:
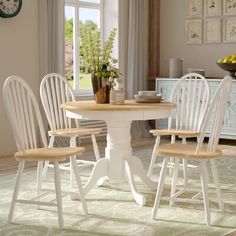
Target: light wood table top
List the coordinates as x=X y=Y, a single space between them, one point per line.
x=128 y=106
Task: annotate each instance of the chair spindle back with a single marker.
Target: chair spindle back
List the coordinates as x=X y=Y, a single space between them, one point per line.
x=216 y=112
x=55 y=90
x=24 y=114
x=191 y=95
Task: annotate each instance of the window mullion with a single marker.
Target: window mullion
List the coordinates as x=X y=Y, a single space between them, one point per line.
x=76 y=51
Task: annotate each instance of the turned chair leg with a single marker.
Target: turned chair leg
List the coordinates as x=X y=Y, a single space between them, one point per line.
x=172 y=159
x=58 y=194
x=160 y=187
x=95 y=148
x=217 y=186
x=174 y=179
x=204 y=181
x=79 y=185
x=46 y=163
x=185 y=173
x=16 y=190
x=72 y=177
x=39 y=179
x=154 y=157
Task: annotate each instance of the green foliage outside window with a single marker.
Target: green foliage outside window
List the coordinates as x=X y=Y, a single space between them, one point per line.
x=95 y=56
x=69 y=47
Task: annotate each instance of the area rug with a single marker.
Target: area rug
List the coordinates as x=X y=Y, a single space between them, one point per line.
x=112 y=210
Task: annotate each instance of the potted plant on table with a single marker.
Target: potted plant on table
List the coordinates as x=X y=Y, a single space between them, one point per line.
x=97 y=59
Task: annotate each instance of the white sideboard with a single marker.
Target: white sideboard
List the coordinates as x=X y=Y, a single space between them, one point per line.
x=165 y=85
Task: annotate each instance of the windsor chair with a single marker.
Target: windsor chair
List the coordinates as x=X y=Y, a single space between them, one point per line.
x=199 y=152
x=55 y=90
x=27 y=125
x=191 y=95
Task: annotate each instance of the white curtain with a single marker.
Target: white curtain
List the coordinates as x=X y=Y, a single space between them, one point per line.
x=133 y=52
x=51 y=36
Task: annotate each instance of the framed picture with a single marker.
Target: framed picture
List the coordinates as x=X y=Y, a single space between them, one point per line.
x=194 y=31
x=213 y=7
x=229 y=7
x=230 y=30
x=213 y=31
x=194 y=8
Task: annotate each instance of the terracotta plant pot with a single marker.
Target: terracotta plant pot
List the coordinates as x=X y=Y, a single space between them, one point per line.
x=101 y=89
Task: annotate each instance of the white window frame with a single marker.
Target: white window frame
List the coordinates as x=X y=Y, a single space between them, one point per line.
x=76 y=48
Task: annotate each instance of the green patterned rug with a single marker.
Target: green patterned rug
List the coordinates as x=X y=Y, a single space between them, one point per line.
x=112 y=210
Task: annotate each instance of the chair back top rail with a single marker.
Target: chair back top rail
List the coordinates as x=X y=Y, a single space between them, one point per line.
x=23 y=112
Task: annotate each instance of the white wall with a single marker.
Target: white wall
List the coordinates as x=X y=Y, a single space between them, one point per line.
x=19 y=55
x=172 y=43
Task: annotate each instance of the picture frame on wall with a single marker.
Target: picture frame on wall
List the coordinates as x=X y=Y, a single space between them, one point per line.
x=229 y=7
x=213 y=30
x=213 y=7
x=194 y=8
x=194 y=31
x=229 y=30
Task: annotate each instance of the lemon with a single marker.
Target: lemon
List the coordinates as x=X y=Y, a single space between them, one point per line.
x=226 y=60
x=233 y=57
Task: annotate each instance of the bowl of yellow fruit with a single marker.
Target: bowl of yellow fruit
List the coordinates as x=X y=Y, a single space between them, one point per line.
x=228 y=63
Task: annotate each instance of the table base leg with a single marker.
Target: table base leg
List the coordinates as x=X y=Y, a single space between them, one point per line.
x=137 y=169
x=100 y=174
x=100 y=171
x=139 y=198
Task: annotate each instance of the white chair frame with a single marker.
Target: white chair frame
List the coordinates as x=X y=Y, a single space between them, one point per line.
x=198 y=153
x=27 y=125
x=191 y=95
x=55 y=90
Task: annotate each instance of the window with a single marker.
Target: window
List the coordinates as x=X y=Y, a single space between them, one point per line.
x=79 y=14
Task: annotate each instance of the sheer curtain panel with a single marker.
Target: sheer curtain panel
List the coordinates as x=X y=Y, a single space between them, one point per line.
x=51 y=35
x=133 y=52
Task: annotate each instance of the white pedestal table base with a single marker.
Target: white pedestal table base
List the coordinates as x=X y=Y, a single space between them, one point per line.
x=119 y=165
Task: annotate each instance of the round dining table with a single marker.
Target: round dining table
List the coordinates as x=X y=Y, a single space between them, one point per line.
x=119 y=164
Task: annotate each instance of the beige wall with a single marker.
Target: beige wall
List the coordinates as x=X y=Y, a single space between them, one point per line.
x=172 y=42
x=18 y=55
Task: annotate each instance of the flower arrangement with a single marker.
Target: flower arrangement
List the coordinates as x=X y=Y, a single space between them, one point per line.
x=96 y=57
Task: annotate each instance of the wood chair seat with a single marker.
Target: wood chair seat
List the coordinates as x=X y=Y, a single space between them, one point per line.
x=180 y=133
x=74 y=132
x=186 y=151
x=48 y=154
